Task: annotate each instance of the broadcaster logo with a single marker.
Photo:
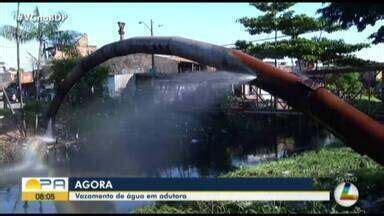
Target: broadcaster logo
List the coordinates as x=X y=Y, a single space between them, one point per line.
x=44 y=188
x=346 y=194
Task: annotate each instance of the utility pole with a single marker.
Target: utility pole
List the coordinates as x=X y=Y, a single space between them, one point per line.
x=153 y=56
x=150 y=28
x=121 y=29
x=19 y=73
x=274 y=98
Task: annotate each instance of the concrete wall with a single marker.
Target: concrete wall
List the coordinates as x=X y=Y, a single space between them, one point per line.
x=116 y=83
x=140 y=63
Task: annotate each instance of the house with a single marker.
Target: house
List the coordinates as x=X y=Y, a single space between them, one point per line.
x=8 y=75
x=175 y=64
x=46 y=90
x=81 y=44
x=142 y=63
x=123 y=70
x=27 y=85
x=10 y=86
x=116 y=83
x=302 y=65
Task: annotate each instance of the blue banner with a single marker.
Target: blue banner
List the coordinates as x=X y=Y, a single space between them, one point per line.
x=189 y=184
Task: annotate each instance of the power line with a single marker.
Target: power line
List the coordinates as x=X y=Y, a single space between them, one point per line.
x=270 y=38
x=263 y=39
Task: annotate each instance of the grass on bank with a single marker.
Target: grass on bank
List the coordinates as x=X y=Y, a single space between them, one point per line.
x=369 y=106
x=328 y=166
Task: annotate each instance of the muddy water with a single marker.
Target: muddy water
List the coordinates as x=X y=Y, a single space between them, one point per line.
x=192 y=157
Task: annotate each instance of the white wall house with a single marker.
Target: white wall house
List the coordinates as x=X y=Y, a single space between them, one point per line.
x=116 y=83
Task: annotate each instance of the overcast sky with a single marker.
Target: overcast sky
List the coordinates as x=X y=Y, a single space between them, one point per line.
x=210 y=22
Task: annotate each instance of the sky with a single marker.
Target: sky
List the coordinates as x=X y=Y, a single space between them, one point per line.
x=210 y=22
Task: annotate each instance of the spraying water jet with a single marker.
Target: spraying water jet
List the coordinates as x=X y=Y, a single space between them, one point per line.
x=357 y=129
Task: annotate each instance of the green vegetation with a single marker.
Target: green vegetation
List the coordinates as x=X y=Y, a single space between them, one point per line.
x=280 y=17
x=33 y=108
x=328 y=166
x=360 y=15
x=345 y=85
x=371 y=107
x=5 y=112
x=44 y=33
x=87 y=88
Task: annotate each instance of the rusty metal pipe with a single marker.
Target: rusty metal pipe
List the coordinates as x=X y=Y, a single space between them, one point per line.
x=357 y=129
x=361 y=132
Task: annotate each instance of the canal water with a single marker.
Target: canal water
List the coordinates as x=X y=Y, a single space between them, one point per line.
x=164 y=127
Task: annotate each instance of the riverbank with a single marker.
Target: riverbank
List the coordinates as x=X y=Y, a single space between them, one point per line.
x=10 y=139
x=9 y=147
x=328 y=166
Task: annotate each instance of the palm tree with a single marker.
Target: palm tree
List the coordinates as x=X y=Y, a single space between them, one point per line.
x=65 y=41
x=19 y=35
x=42 y=32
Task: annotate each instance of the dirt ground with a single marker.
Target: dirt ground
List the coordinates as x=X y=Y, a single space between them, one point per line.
x=10 y=142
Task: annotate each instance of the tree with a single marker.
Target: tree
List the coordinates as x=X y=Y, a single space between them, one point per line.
x=89 y=86
x=41 y=31
x=345 y=85
x=267 y=23
x=19 y=35
x=327 y=51
x=65 y=41
x=353 y=14
x=311 y=50
x=44 y=33
x=276 y=18
x=315 y=50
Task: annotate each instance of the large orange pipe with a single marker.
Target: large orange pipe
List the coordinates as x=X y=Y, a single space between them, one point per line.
x=359 y=131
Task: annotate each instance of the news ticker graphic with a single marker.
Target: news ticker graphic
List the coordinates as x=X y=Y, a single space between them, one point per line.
x=44 y=188
x=170 y=189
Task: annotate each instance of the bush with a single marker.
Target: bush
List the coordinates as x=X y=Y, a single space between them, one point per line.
x=90 y=85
